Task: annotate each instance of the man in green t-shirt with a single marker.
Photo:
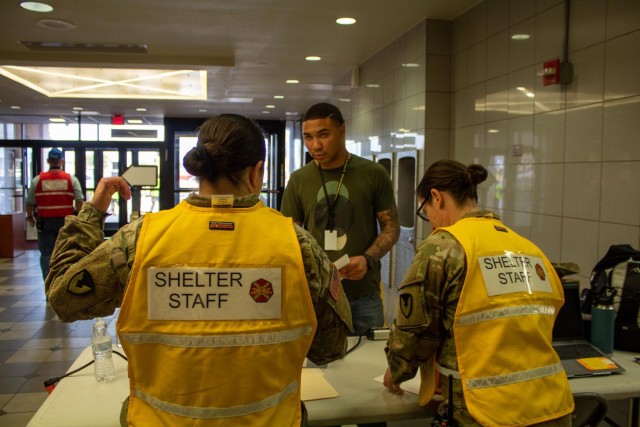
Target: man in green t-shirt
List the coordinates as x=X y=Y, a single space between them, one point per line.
x=341 y=199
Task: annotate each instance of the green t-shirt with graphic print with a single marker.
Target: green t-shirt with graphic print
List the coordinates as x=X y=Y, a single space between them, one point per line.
x=366 y=189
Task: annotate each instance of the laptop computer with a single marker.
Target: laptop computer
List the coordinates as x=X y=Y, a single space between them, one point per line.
x=576 y=353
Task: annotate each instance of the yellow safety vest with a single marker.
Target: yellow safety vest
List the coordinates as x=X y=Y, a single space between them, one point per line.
x=217 y=319
x=510 y=374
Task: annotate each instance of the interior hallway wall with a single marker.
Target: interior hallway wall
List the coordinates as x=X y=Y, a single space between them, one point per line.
x=564 y=161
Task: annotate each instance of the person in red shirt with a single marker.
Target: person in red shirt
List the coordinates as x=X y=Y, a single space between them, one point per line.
x=51 y=197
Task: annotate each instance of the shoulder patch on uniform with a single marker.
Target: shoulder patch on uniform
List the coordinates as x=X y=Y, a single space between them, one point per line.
x=406 y=305
x=334 y=282
x=81 y=283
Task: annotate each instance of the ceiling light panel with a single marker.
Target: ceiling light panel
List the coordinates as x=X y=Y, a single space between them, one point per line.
x=59 y=82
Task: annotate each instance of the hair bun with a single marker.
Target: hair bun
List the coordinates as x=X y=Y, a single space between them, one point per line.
x=476 y=174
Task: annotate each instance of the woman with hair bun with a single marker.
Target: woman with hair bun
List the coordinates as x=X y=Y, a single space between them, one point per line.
x=222 y=297
x=475 y=311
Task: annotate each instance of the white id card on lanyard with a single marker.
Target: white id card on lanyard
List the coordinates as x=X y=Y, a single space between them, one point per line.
x=330 y=240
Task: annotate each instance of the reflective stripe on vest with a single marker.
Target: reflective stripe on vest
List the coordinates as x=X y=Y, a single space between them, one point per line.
x=511 y=378
x=218 y=341
x=522 y=310
x=234 y=411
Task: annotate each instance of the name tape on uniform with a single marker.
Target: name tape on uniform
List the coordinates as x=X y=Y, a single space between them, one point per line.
x=194 y=293
x=510 y=273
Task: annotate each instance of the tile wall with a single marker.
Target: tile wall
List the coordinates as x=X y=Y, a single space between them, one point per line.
x=563 y=159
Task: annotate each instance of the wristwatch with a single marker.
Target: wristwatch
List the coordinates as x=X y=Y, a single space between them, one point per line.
x=370 y=261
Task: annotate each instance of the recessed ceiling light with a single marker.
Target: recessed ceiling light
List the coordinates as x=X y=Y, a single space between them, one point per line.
x=134 y=121
x=293 y=82
x=520 y=37
x=15 y=107
x=57 y=120
x=410 y=65
x=373 y=85
x=493 y=131
x=78 y=108
x=266 y=112
x=269 y=106
x=344 y=99
x=36 y=6
x=141 y=109
x=313 y=58
x=55 y=24
x=278 y=96
x=202 y=110
x=291 y=113
x=346 y=21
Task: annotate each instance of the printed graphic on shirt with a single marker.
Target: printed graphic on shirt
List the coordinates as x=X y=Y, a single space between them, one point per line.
x=81 y=283
x=510 y=272
x=344 y=212
x=197 y=293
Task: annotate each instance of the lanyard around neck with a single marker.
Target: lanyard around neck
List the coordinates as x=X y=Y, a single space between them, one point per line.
x=331 y=205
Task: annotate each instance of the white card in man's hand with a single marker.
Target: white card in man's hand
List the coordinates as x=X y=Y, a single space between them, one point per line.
x=342 y=261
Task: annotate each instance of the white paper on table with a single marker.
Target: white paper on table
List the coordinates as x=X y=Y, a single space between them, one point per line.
x=315 y=386
x=412 y=386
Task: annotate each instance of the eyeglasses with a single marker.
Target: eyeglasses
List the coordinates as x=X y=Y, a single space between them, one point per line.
x=421 y=214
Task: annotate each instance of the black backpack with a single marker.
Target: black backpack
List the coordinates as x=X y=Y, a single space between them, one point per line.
x=620 y=269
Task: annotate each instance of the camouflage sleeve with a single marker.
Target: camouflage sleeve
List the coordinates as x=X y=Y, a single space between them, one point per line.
x=88 y=274
x=329 y=300
x=428 y=297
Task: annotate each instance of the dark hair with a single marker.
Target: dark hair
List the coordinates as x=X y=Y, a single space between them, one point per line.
x=324 y=110
x=227 y=144
x=449 y=175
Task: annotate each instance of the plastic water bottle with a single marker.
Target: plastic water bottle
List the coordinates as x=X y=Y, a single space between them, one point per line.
x=603 y=316
x=102 y=351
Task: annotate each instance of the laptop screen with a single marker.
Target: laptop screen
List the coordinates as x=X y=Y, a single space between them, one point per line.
x=568 y=325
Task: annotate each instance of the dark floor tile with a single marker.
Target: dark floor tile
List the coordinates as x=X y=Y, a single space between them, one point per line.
x=8 y=345
x=54 y=369
x=4 y=355
x=11 y=385
x=23 y=311
x=18 y=369
x=46 y=332
x=33 y=385
x=11 y=317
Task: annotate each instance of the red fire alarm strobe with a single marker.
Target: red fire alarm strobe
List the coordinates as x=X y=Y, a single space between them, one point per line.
x=117 y=119
x=551 y=72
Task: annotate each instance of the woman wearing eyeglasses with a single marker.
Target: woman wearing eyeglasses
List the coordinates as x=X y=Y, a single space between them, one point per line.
x=477 y=308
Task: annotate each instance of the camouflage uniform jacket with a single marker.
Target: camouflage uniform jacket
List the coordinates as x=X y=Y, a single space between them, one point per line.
x=89 y=275
x=434 y=280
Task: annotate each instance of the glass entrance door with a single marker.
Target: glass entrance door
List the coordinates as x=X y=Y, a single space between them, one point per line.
x=113 y=162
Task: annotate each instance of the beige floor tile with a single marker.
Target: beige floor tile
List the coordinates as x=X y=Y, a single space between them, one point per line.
x=25 y=402
x=27 y=356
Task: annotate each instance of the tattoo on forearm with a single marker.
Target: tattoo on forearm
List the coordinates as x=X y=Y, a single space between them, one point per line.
x=389 y=233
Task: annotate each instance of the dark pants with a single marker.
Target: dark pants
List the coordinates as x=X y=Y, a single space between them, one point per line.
x=48 y=229
x=366 y=312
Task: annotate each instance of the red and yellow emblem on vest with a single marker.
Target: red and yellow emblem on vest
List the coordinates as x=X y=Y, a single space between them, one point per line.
x=540 y=272
x=261 y=290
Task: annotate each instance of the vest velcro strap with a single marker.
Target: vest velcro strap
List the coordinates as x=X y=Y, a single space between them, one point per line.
x=519 y=310
x=213 y=341
x=446 y=371
x=233 y=411
x=515 y=377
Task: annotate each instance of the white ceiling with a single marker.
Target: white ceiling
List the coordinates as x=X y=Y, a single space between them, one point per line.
x=249 y=48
